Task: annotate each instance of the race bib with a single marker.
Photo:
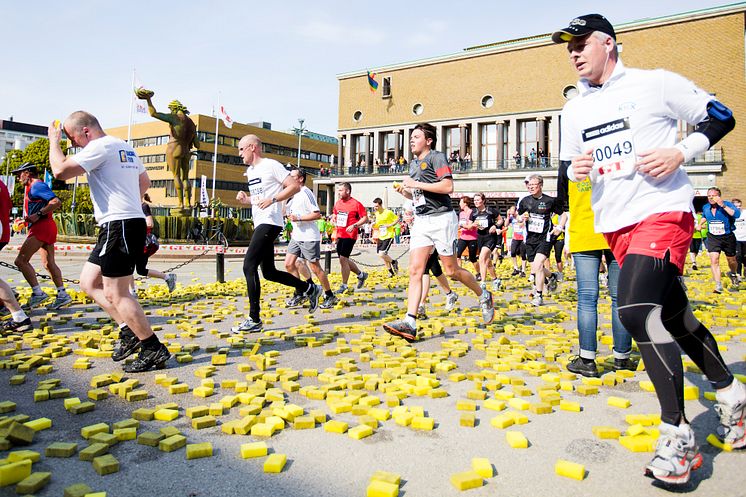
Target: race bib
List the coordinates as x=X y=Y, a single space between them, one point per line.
x=482 y=223
x=741 y=229
x=418 y=199
x=535 y=223
x=716 y=228
x=256 y=189
x=342 y=219
x=382 y=232
x=613 y=149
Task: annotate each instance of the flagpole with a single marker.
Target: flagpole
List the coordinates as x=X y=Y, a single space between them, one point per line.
x=132 y=105
x=215 y=155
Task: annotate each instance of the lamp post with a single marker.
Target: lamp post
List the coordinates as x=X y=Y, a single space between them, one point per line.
x=300 y=130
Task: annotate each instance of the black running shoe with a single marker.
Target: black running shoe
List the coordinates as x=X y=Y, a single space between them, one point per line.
x=626 y=364
x=147 y=360
x=11 y=326
x=125 y=346
x=395 y=266
x=584 y=367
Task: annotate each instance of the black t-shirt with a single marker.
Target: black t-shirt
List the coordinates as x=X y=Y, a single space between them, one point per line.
x=540 y=211
x=433 y=168
x=146 y=209
x=485 y=220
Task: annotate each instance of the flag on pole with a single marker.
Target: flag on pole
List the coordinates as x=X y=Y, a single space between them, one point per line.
x=141 y=107
x=372 y=83
x=226 y=118
x=48 y=178
x=204 y=200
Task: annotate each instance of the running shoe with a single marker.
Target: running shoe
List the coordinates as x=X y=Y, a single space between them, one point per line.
x=488 y=309
x=148 y=360
x=523 y=274
x=421 y=314
x=694 y=267
x=342 y=289
x=61 y=301
x=537 y=301
x=584 y=367
x=626 y=364
x=560 y=277
x=733 y=278
x=126 y=345
x=171 y=282
x=395 y=266
x=248 y=326
x=401 y=329
x=295 y=300
x=313 y=293
x=552 y=282
x=361 y=279
x=451 y=300
x=478 y=277
x=731 y=429
x=496 y=284
x=515 y=272
x=718 y=288
x=676 y=455
x=36 y=300
x=11 y=326
x=329 y=302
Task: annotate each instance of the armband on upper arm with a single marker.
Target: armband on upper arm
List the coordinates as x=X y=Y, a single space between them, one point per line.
x=718 y=123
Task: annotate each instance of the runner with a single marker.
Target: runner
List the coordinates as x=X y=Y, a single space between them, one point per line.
x=621 y=130
x=151 y=247
x=19 y=321
x=349 y=216
x=117 y=180
x=484 y=220
x=38 y=204
x=537 y=209
x=721 y=218
x=305 y=242
x=518 y=241
x=269 y=185
x=696 y=245
x=467 y=238
x=740 y=233
x=429 y=186
x=386 y=220
x=559 y=248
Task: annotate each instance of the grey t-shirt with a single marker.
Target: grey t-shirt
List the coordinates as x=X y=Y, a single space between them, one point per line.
x=433 y=168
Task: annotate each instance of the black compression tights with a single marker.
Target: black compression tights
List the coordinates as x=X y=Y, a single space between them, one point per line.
x=655 y=310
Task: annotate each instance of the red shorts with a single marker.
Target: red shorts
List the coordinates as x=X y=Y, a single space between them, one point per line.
x=44 y=230
x=654 y=236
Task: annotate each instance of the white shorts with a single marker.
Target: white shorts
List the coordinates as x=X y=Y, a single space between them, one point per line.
x=438 y=230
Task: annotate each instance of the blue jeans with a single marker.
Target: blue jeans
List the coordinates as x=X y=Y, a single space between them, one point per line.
x=587 y=265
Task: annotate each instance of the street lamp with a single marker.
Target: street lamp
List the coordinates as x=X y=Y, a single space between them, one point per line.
x=300 y=130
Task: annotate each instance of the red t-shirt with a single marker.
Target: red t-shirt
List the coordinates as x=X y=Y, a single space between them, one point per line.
x=348 y=212
x=5 y=207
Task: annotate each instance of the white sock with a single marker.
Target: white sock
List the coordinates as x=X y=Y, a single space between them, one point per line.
x=61 y=291
x=410 y=321
x=36 y=290
x=122 y=326
x=733 y=394
x=19 y=316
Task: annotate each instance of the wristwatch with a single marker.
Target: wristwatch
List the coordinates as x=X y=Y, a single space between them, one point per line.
x=274 y=200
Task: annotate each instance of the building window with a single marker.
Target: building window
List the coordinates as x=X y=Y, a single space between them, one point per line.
x=390 y=146
x=386 y=87
x=357 y=116
x=418 y=109
x=529 y=139
x=569 y=92
x=489 y=146
x=487 y=101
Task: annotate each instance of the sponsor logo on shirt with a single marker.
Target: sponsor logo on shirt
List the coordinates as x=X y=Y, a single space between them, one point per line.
x=605 y=129
x=122 y=156
x=627 y=106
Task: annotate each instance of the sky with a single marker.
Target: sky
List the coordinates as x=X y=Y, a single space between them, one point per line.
x=273 y=61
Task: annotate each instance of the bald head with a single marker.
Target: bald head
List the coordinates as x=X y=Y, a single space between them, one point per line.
x=79 y=119
x=250 y=149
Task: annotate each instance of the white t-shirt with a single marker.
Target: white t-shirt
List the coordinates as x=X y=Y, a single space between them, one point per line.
x=740 y=230
x=634 y=111
x=113 y=169
x=265 y=181
x=300 y=204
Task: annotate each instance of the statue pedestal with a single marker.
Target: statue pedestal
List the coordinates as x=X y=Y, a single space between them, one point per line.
x=180 y=212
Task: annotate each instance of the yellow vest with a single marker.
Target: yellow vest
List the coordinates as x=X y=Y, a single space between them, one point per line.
x=581 y=233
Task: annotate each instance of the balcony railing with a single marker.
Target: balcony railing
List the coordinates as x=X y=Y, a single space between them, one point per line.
x=461 y=166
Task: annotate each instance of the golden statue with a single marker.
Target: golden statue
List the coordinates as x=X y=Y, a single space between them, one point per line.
x=183 y=136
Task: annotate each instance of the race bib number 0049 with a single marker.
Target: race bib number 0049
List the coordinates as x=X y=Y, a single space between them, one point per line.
x=613 y=149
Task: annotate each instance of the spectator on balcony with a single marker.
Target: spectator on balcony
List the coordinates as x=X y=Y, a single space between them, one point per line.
x=467 y=161
x=377 y=165
x=532 y=157
x=542 y=157
x=517 y=159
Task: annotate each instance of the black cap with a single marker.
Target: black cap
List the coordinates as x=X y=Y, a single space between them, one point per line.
x=26 y=166
x=583 y=25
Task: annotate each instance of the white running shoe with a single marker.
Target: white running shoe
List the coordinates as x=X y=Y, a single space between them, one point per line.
x=676 y=455
x=451 y=300
x=171 y=282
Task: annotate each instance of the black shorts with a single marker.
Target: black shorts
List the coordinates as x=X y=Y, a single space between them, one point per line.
x=695 y=246
x=119 y=247
x=463 y=245
x=537 y=246
x=433 y=264
x=559 y=246
x=383 y=245
x=518 y=248
x=723 y=243
x=344 y=246
x=489 y=241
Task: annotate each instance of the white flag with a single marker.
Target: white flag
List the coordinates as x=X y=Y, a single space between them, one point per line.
x=141 y=106
x=204 y=200
x=226 y=118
